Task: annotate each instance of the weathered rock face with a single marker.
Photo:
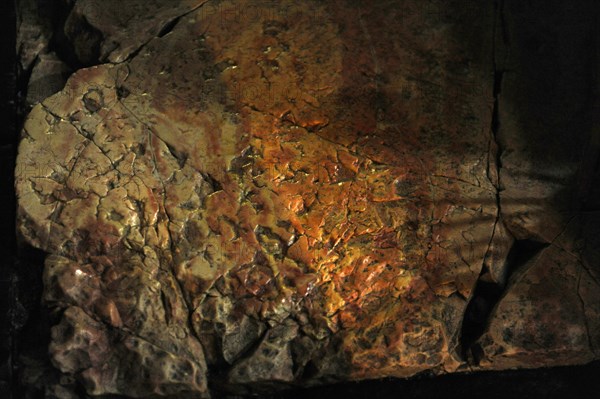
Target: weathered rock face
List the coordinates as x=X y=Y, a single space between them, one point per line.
x=280 y=194
x=48 y=76
x=112 y=30
x=548 y=131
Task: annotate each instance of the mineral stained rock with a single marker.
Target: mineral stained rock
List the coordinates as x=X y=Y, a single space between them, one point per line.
x=273 y=194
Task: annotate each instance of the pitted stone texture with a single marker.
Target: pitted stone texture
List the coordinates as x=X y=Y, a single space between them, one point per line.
x=291 y=193
x=113 y=362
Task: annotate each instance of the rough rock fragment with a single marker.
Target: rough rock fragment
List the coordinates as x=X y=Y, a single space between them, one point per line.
x=276 y=200
x=549 y=316
x=272 y=361
x=134 y=366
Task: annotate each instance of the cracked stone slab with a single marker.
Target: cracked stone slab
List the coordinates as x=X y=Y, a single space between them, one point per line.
x=110 y=30
x=263 y=199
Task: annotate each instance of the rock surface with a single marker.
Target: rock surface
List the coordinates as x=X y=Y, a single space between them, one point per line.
x=112 y=30
x=34 y=31
x=48 y=76
x=548 y=132
x=267 y=195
